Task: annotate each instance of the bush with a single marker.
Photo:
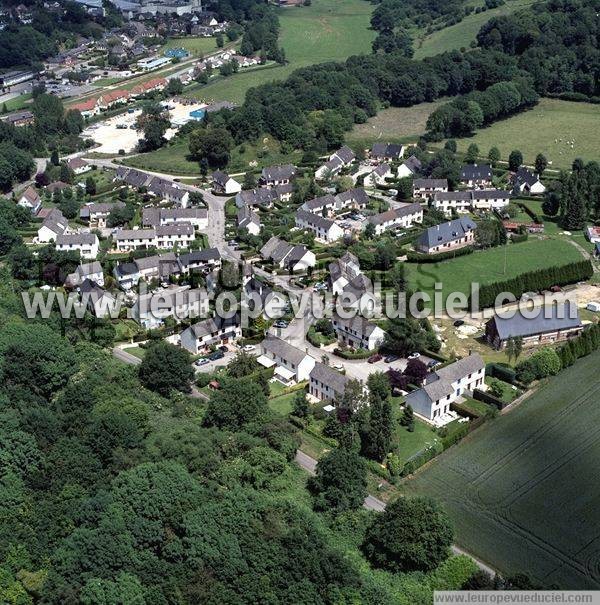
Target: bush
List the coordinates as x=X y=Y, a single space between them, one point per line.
x=418 y=257
x=352 y=354
x=500 y=371
x=486 y=397
x=429 y=452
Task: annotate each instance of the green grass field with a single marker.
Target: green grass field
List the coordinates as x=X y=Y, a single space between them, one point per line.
x=463 y=33
x=488 y=265
x=328 y=30
x=196 y=46
x=546 y=129
x=394 y=124
x=523 y=491
x=17 y=103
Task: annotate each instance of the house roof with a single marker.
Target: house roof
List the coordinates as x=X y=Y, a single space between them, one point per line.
x=31 y=196
x=476 y=172
x=76 y=239
x=412 y=163
x=100 y=208
x=126 y=234
x=258 y=197
x=315 y=220
x=345 y=154
x=430 y=183
x=452 y=196
x=282 y=349
x=353 y=195
x=524 y=176
x=174 y=229
x=75 y=163
x=386 y=150
x=461 y=368
x=390 y=215
x=329 y=376
x=279 y=173
x=246 y=216
x=381 y=170
x=446 y=232
x=319 y=202
x=199 y=256
x=214 y=324
x=220 y=177
x=276 y=249
x=552 y=317
x=89 y=268
x=490 y=194
x=363 y=326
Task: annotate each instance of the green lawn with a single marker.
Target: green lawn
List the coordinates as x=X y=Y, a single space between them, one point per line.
x=328 y=30
x=522 y=490
x=282 y=404
x=488 y=265
x=408 y=444
x=196 y=46
x=394 y=124
x=548 y=128
x=20 y=102
x=136 y=351
x=463 y=33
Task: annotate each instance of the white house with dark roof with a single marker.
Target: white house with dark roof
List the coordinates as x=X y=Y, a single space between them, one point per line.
x=54 y=224
x=249 y=220
x=324 y=229
x=356 y=199
x=285 y=255
x=273 y=176
x=325 y=383
x=203 y=260
x=378 y=175
x=425 y=188
x=96 y=214
x=159 y=217
x=358 y=332
x=91 y=271
x=447 y=236
x=264 y=197
x=410 y=167
x=337 y=160
x=444 y=387
x=403 y=216
x=78 y=166
x=223 y=184
x=476 y=175
x=476 y=199
x=528 y=182
x=31 y=200
x=291 y=364
x=86 y=244
x=100 y=303
x=213 y=331
x=386 y=152
x=553 y=323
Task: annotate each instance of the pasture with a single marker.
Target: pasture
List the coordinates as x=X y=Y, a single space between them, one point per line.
x=462 y=34
x=328 y=30
x=487 y=266
x=394 y=124
x=196 y=46
x=522 y=490
x=558 y=129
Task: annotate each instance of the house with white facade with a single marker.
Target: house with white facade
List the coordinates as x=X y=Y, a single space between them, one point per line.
x=214 y=331
x=326 y=384
x=386 y=152
x=31 y=200
x=100 y=303
x=410 y=167
x=54 y=224
x=223 y=184
x=150 y=310
x=466 y=201
x=425 y=188
x=404 y=216
x=164 y=236
x=249 y=220
x=447 y=236
x=337 y=160
x=96 y=214
x=291 y=364
x=91 y=271
x=476 y=175
x=205 y=260
x=527 y=182
x=285 y=255
x=157 y=217
x=78 y=166
x=378 y=176
x=272 y=176
x=324 y=229
x=86 y=244
x=358 y=332
x=444 y=387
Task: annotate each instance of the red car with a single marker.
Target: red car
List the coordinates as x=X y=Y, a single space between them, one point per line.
x=375 y=358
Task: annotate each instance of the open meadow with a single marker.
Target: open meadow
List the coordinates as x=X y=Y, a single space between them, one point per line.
x=522 y=490
x=196 y=46
x=328 y=30
x=394 y=125
x=561 y=130
x=463 y=33
x=487 y=266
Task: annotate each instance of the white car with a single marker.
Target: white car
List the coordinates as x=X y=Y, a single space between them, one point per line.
x=248 y=348
x=201 y=362
x=337 y=366
x=414 y=356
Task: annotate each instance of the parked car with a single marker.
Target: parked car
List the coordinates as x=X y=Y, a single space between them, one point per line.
x=433 y=363
x=281 y=324
x=458 y=323
x=414 y=355
x=201 y=362
x=216 y=355
x=375 y=358
x=338 y=366
x=248 y=348
x=223 y=348
x=391 y=358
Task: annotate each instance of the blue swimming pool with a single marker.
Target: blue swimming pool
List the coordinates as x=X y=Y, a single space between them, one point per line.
x=197 y=114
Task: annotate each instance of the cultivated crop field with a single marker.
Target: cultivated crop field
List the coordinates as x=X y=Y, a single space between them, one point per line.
x=558 y=129
x=523 y=490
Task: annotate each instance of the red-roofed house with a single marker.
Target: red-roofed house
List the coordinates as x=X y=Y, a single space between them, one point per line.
x=87 y=108
x=148 y=86
x=77 y=165
x=31 y=200
x=112 y=98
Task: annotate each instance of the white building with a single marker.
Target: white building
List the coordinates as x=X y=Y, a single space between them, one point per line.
x=291 y=364
x=78 y=166
x=54 y=224
x=358 y=332
x=31 y=200
x=214 y=331
x=249 y=220
x=86 y=244
x=150 y=310
x=326 y=384
x=223 y=184
x=409 y=168
x=425 y=188
x=404 y=216
x=378 y=176
x=324 y=229
x=445 y=386
x=285 y=255
x=91 y=271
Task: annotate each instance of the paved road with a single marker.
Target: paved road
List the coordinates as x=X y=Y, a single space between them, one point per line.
x=371 y=503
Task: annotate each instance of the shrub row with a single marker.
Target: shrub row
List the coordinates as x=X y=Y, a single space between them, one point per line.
x=429 y=452
x=356 y=354
x=535 y=281
x=487 y=398
x=519 y=238
x=500 y=371
x=418 y=257
x=527 y=210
